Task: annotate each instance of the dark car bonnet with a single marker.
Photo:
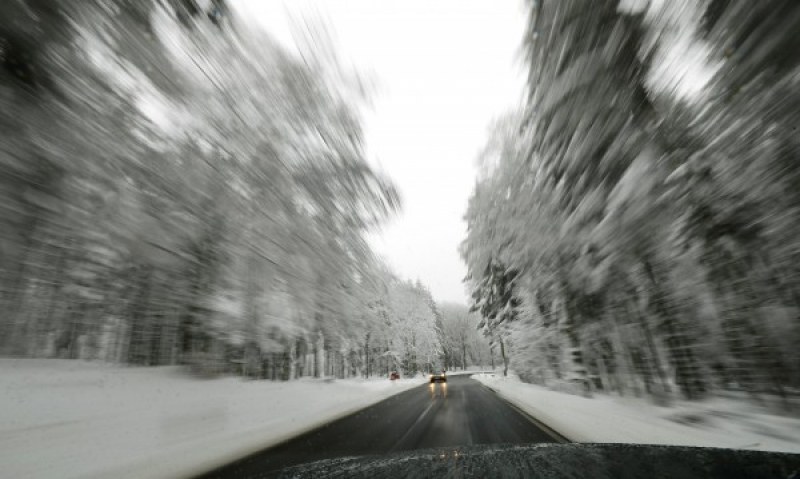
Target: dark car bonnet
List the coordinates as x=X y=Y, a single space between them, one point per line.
x=595 y=461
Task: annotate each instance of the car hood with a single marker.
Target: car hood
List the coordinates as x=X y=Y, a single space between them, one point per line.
x=595 y=461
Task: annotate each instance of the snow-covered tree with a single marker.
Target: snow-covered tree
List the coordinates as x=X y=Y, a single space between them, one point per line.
x=650 y=220
x=462 y=344
x=181 y=189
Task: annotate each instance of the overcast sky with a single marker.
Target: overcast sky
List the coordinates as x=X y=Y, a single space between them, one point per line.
x=445 y=69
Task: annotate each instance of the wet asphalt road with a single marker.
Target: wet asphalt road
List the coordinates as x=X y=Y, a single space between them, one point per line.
x=460 y=412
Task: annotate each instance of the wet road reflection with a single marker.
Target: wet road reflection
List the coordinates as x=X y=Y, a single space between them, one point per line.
x=438 y=390
x=459 y=412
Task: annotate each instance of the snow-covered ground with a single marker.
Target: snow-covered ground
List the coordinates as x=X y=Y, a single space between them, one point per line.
x=469 y=370
x=65 y=419
x=716 y=422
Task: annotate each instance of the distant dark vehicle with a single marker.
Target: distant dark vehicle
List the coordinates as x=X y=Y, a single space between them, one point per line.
x=438 y=377
x=394 y=375
x=596 y=461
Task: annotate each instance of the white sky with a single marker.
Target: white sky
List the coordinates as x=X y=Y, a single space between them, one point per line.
x=444 y=69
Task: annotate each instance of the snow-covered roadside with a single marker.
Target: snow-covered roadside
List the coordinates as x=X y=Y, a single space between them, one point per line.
x=66 y=419
x=716 y=422
x=469 y=371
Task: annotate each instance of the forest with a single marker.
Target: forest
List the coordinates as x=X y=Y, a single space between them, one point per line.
x=178 y=188
x=634 y=226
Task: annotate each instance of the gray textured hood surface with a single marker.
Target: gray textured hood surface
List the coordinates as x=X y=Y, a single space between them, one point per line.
x=595 y=461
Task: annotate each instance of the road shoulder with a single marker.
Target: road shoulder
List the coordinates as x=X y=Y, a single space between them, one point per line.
x=613 y=419
x=557 y=437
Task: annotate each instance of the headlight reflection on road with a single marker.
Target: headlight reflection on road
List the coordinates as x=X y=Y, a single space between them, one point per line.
x=450 y=455
x=442 y=389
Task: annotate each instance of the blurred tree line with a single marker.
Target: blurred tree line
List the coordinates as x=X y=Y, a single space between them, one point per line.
x=176 y=188
x=462 y=345
x=632 y=231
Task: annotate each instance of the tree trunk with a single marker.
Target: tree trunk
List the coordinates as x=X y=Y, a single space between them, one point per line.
x=319 y=356
x=367 y=363
x=292 y=360
x=505 y=359
x=680 y=347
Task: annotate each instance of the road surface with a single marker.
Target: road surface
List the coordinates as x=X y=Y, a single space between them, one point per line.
x=457 y=413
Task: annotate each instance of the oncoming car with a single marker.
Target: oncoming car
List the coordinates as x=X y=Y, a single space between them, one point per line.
x=438 y=376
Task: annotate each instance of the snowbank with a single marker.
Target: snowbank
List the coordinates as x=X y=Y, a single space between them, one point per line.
x=717 y=422
x=469 y=371
x=66 y=419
